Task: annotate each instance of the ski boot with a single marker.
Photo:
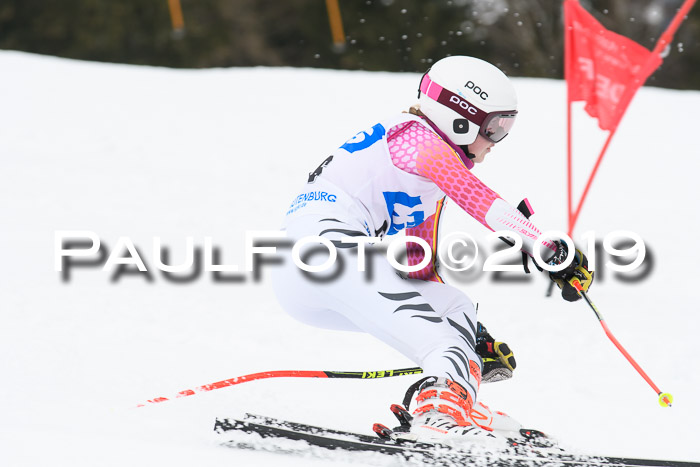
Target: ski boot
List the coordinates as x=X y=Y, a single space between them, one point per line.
x=443 y=414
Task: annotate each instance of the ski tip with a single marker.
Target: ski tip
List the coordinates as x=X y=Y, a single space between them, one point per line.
x=665 y=399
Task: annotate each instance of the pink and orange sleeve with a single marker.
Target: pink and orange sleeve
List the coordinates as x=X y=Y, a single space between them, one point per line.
x=416 y=149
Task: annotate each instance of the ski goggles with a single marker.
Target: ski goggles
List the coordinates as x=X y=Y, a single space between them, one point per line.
x=494 y=126
x=497 y=125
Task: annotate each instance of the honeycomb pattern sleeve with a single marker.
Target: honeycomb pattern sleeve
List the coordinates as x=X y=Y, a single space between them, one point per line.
x=416 y=149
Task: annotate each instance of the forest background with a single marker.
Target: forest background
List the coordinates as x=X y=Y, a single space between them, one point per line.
x=522 y=37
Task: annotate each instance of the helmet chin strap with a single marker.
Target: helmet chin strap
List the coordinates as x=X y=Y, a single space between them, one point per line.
x=465 y=148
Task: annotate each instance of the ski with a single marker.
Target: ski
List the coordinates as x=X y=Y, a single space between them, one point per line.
x=270 y=434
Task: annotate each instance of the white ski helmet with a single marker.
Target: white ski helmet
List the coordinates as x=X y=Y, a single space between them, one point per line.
x=466 y=96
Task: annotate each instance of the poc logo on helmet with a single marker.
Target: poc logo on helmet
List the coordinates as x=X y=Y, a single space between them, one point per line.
x=477 y=90
x=463 y=104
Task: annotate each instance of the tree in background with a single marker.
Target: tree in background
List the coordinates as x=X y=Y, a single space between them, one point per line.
x=524 y=37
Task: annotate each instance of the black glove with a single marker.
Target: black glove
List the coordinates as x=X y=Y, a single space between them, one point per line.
x=574 y=277
x=498 y=359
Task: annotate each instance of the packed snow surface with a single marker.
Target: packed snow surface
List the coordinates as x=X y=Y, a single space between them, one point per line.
x=141 y=152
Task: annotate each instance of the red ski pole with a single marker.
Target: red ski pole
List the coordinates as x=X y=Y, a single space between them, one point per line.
x=665 y=399
x=287 y=374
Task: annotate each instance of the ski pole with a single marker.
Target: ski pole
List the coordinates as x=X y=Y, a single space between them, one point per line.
x=665 y=399
x=288 y=374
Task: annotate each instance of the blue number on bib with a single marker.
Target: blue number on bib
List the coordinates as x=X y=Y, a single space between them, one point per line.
x=401 y=209
x=365 y=139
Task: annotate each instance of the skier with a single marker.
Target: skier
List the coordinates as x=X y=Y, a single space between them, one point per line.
x=396 y=176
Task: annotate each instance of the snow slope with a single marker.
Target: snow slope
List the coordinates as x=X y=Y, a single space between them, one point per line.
x=143 y=152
